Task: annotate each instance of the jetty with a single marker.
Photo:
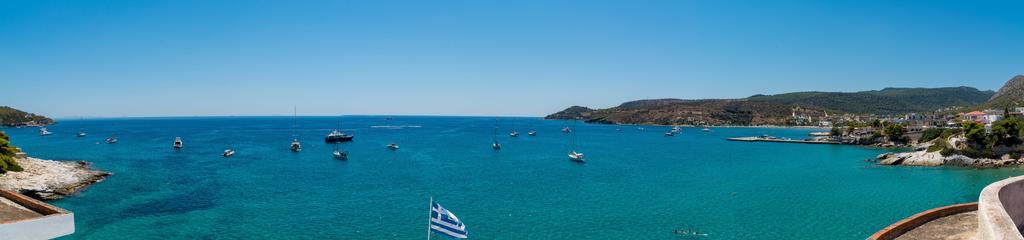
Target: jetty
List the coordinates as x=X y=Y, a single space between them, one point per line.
x=781 y=140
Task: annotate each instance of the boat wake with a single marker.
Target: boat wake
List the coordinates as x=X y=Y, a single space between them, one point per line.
x=397 y=126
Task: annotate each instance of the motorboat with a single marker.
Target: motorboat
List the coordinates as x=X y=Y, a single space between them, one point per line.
x=337 y=137
x=514 y=134
x=532 y=133
x=81 y=133
x=576 y=157
x=392 y=146
x=566 y=130
x=44 y=132
x=228 y=153
x=177 y=143
x=111 y=140
x=340 y=155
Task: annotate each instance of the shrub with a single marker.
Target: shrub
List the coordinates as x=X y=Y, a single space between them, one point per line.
x=7 y=163
x=931 y=134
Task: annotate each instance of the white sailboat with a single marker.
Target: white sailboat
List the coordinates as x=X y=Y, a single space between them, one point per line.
x=177 y=143
x=496 y=145
x=296 y=145
x=574 y=155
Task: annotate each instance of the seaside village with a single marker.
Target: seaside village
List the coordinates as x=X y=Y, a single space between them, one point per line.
x=855 y=128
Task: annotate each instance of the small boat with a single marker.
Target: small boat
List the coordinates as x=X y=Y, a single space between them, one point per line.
x=392 y=146
x=532 y=133
x=566 y=130
x=340 y=155
x=81 y=133
x=706 y=129
x=496 y=145
x=670 y=134
x=111 y=140
x=640 y=129
x=676 y=129
x=177 y=143
x=44 y=132
x=296 y=145
x=514 y=134
x=228 y=153
x=576 y=157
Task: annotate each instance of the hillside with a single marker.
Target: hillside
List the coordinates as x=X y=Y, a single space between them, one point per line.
x=778 y=109
x=10 y=117
x=1009 y=96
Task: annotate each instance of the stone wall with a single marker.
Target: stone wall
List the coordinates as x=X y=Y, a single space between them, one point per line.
x=1000 y=210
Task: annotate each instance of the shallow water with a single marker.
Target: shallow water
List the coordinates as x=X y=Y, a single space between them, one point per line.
x=635 y=185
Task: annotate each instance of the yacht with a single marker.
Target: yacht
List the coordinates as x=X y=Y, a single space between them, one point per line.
x=81 y=133
x=392 y=146
x=177 y=143
x=228 y=153
x=337 y=137
x=532 y=133
x=44 y=132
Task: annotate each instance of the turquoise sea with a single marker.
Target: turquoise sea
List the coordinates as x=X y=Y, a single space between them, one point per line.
x=636 y=185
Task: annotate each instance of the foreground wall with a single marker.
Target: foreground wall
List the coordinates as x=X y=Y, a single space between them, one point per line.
x=1001 y=210
x=54 y=223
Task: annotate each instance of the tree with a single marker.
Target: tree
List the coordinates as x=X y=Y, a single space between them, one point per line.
x=1007 y=132
x=975 y=133
x=836 y=131
x=895 y=132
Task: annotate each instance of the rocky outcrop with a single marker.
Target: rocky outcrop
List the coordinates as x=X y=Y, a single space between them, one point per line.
x=50 y=180
x=925 y=158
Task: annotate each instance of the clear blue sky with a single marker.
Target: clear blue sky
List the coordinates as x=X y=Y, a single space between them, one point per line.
x=522 y=58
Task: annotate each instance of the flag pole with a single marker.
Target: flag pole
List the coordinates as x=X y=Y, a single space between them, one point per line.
x=430 y=211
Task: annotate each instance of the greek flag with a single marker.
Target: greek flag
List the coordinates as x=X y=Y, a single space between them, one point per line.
x=444 y=222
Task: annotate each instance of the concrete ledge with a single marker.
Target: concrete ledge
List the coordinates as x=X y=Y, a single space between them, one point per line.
x=1000 y=212
x=905 y=225
x=54 y=222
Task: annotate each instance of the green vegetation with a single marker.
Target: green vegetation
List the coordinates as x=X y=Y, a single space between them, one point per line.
x=1005 y=137
x=885 y=101
x=13 y=117
x=930 y=134
x=895 y=132
x=7 y=152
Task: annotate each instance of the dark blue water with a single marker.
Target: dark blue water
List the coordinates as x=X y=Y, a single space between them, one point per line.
x=636 y=185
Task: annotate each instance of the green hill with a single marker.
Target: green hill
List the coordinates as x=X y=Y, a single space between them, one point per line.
x=778 y=109
x=1009 y=96
x=10 y=117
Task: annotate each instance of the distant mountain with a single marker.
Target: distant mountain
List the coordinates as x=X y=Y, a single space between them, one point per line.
x=10 y=117
x=1008 y=96
x=779 y=109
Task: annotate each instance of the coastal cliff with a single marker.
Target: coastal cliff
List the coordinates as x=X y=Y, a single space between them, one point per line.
x=50 y=180
x=10 y=117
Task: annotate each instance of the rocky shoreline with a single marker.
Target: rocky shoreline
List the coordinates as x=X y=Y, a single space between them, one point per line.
x=50 y=180
x=931 y=159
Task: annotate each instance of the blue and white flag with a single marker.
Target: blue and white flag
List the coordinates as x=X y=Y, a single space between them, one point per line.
x=444 y=222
